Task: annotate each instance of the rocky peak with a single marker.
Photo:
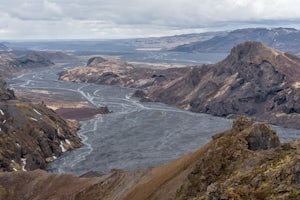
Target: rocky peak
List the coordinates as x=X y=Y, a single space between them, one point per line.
x=252 y=52
x=225 y=168
x=31 y=135
x=95 y=60
x=5 y=93
x=241 y=123
x=253 y=80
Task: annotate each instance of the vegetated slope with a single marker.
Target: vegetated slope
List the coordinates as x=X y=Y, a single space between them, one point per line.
x=285 y=39
x=31 y=135
x=246 y=162
x=117 y=72
x=254 y=80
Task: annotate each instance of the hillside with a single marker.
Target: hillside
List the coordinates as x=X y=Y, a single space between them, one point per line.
x=254 y=80
x=11 y=62
x=31 y=135
x=284 y=39
x=3 y=47
x=111 y=71
x=169 y=42
x=246 y=162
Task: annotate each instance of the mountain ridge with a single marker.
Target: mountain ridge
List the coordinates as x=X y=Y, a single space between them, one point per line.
x=246 y=162
x=254 y=80
x=285 y=39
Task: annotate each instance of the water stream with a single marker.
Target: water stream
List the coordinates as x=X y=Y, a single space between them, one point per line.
x=136 y=135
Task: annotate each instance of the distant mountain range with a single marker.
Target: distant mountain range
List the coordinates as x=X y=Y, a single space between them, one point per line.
x=169 y=42
x=3 y=47
x=284 y=39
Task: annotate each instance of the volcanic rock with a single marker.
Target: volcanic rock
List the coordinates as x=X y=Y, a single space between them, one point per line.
x=226 y=168
x=31 y=135
x=253 y=80
x=112 y=71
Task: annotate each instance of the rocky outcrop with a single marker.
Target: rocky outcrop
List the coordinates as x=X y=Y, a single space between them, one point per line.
x=245 y=162
x=284 y=39
x=254 y=80
x=226 y=168
x=31 y=135
x=239 y=171
x=6 y=93
x=116 y=72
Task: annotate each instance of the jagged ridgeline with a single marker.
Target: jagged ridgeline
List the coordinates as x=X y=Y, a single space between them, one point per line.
x=254 y=80
x=245 y=162
x=31 y=135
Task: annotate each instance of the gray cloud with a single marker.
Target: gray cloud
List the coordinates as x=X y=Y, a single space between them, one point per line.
x=135 y=18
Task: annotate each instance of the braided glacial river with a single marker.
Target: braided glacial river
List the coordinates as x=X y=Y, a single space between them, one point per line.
x=135 y=135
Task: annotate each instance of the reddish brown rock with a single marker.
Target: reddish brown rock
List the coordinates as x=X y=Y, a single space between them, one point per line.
x=253 y=80
x=226 y=168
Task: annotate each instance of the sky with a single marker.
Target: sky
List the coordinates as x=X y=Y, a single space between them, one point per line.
x=111 y=19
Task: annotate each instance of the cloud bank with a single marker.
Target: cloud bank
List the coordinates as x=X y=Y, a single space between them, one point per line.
x=53 y=19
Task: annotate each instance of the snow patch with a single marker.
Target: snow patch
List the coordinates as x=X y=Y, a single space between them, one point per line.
x=68 y=141
x=37 y=112
x=62 y=147
x=4 y=121
x=15 y=169
x=296 y=85
x=1 y=112
x=23 y=164
x=34 y=119
x=54 y=157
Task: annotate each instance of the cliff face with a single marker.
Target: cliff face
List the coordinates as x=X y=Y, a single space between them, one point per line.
x=254 y=80
x=116 y=72
x=31 y=135
x=245 y=162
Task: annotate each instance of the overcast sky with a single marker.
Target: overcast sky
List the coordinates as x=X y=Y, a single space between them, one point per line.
x=100 y=19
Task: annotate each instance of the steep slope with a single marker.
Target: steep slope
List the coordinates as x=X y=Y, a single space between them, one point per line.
x=246 y=162
x=31 y=135
x=285 y=39
x=254 y=80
